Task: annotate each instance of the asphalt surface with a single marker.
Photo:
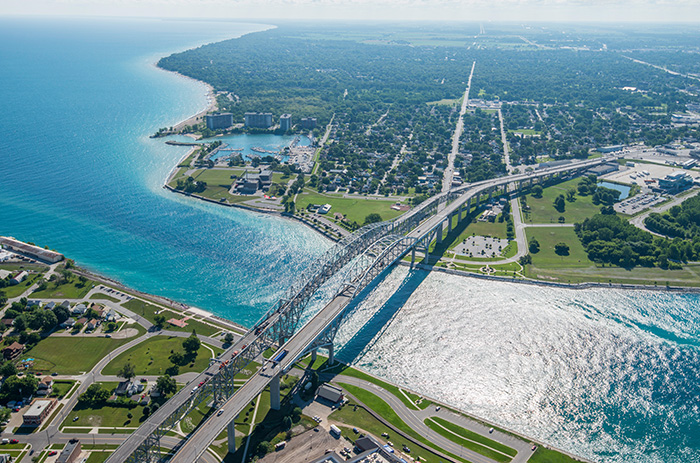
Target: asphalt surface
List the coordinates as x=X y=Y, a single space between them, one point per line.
x=415 y=419
x=210 y=429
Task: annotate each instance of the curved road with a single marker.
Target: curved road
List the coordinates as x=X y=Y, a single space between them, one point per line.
x=415 y=419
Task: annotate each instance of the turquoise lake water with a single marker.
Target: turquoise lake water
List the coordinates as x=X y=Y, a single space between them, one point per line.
x=611 y=375
x=244 y=144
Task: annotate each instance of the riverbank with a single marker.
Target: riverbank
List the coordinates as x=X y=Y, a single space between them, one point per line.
x=545 y=283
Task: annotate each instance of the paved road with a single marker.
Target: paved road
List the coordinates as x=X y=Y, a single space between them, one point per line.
x=639 y=220
x=449 y=171
x=415 y=419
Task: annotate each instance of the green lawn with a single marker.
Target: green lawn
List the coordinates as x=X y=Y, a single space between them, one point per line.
x=355 y=209
x=548 y=237
x=543 y=455
x=148 y=311
x=17 y=290
x=217 y=177
x=98 y=457
x=105 y=297
x=542 y=209
x=577 y=268
x=471 y=440
x=72 y=290
x=151 y=357
x=71 y=355
x=104 y=416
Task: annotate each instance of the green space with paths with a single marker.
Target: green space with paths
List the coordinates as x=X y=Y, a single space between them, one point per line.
x=354 y=209
x=71 y=355
x=148 y=311
x=541 y=210
x=151 y=357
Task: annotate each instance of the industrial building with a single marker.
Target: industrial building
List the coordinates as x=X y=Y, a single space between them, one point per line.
x=258 y=120
x=30 y=250
x=250 y=183
x=603 y=169
x=219 y=121
x=286 y=122
x=330 y=393
x=610 y=149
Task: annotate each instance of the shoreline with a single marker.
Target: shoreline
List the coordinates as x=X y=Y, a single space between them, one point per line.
x=574 y=286
x=162 y=300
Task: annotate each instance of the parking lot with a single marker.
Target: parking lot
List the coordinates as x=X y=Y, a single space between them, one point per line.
x=639 y=203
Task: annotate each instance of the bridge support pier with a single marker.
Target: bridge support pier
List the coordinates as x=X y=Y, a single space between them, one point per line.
x=438 y=239
x=459 y=214
x=275 y=392
x=449 y=223
x=231 y=431
x=413 y=257
x=331 y=356
x=313 y=356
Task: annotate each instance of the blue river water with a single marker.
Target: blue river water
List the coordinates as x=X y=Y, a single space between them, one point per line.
x=610 y=375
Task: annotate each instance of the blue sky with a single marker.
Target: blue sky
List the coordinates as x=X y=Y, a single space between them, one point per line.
x=463 y=10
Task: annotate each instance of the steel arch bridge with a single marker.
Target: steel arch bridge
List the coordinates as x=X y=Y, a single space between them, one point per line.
x=362 y=257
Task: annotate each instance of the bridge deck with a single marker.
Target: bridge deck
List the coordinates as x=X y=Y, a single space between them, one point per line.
x=198 y=442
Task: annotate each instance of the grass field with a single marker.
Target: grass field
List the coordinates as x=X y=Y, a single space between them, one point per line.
x=543 y=455
x=577 y=268
x=548 y=237
x=355 y=209
x=471 y=440
x=151 y=357
x=72 y=290
x=148 y=311
x=17 y=290
x=104 y=415
x=542 y=209
x=71 y=355
x=103 y=297
x=389 y=387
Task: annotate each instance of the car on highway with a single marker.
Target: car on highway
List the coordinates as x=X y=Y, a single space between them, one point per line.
x=14 y=441
x=220 y=412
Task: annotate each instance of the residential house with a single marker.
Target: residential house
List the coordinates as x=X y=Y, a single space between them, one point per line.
x=111 y=315
x=50 y=306
x=70 y=323
x=13 y=351
x=45 y=386
x=79 y=309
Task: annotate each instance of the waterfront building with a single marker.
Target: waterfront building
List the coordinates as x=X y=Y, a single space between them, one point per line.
x=219 y=121
x=286 y=122
x=330 y=393
x=258 y=120
x=30 y=250
x=308 y=123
